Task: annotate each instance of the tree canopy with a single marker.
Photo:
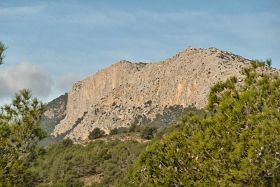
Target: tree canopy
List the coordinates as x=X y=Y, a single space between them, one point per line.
x=2 y=50
x=19 y=135
x=235 y=143
x=106 y=163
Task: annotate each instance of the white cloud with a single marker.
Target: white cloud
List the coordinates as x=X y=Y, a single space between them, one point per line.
x=24 y=75
x=20 y=11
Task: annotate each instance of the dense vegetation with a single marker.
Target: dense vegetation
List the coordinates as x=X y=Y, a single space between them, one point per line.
x=98 y=163
x=236 y=142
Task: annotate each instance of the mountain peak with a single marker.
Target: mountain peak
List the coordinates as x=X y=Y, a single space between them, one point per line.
x=209 y=52
x=116 y=96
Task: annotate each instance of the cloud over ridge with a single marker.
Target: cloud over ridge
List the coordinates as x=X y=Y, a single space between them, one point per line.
x=24 y=75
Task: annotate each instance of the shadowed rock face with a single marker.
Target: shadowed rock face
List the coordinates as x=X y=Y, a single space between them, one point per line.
x=116 y=96
x=56 y=111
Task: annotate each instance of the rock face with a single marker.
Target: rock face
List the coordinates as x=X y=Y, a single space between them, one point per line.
x=56 y=111
x=116 y=96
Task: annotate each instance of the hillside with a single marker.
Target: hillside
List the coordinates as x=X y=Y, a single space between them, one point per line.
x=127 y=93
x=237 y=133
x=56 y=111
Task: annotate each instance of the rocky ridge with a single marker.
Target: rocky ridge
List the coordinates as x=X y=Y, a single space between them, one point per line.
x=116 y=96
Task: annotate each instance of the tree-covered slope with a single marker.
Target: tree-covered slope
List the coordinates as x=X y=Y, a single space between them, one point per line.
x=236 y=142
x=98 y=163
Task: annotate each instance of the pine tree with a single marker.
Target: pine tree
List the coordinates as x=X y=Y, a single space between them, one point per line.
x=2 y=50
x=19 y=134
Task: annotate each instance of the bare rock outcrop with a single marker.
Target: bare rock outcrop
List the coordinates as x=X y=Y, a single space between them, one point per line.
x=115 y=96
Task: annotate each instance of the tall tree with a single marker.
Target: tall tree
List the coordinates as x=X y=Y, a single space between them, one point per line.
x=19 y=135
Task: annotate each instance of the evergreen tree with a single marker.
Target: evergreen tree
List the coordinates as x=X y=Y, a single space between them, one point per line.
x=19 y=135
x=236 y=143
x=269 y=62
x=2 y=50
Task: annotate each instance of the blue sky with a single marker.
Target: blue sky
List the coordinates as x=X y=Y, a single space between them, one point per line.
x=52 y=44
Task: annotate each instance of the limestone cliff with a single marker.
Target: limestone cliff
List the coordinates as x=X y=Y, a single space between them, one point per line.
x=116 y=96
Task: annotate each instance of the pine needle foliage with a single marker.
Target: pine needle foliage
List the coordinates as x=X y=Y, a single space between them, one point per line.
x=2 y=50
x=19 y=134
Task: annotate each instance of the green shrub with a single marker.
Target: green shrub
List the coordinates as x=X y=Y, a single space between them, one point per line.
x=96 y=133
x=67 y=142
x=69 y=181
x=148 y=132
x=134 y=128
x=119 y=130
x=114 y=131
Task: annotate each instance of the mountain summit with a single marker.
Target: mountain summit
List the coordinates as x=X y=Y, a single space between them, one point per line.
x=125 y=91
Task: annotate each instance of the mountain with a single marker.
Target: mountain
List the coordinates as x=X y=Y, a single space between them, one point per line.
x=127 y=93
x=56 y=111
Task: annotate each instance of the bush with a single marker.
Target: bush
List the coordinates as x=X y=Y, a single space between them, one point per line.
x=148 y=132
x=114 y=131
x=69 y=181
x=119 y=130
x=122 y=130
x=96 y=133
x=135 y=128
x=67 y=142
